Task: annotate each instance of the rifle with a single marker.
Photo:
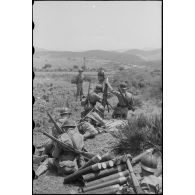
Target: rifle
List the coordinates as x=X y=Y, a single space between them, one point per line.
x=68 y=147
x=133 y=177
x=88 y=102
x=59 y=130
x=105 y=98
x=130 y=107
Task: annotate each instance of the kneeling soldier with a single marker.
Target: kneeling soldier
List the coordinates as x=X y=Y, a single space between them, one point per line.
x=63 y=162
x=65 y=114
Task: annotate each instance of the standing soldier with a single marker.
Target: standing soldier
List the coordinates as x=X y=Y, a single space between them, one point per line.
x=125 y=100
x=150 y=183
x=101 y=78
x=79 y=82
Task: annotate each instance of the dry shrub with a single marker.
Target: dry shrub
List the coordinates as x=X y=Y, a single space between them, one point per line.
x=141 y=133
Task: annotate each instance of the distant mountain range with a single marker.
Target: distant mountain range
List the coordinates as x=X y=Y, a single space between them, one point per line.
x=132 y=56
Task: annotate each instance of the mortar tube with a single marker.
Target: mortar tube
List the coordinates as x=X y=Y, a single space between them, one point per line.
x=92 y=161
x=120 y=181
x=104 y=173
x=105 y=190
x=108 y=178
x=78 y=173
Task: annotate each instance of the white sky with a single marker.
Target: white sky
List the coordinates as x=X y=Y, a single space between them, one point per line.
x=103 y=25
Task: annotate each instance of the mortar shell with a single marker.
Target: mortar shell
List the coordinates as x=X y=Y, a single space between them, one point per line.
x=92 y=161
x=105 y=190
x=78 y=173
x=120 y=181
x=107 y=178
x=104 y=173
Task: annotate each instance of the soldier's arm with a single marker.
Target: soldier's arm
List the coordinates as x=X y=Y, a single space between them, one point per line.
x=111 y=89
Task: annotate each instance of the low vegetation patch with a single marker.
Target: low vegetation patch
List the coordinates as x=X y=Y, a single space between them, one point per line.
x=142 y=132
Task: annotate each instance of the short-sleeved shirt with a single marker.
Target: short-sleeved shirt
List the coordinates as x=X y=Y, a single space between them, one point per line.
x=151 y=184
x=128 y=96
x=79 y=79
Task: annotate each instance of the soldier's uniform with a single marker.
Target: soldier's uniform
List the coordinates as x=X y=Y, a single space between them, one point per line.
x=63 y=162
x=89 y=102
x=121 y=110
x=101 y=78
x=92 y=120
x=150 y=183
x=49 y=145
x=79 y=82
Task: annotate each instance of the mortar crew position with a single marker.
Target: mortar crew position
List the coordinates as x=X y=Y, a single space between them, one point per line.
x=89 y=125
x=79 y=82
x=64 y=114
x=125 y=100
x=150 y=183
x=65 y=162
x=90 y=101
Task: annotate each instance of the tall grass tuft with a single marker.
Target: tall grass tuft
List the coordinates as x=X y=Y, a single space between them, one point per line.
x=142 y=132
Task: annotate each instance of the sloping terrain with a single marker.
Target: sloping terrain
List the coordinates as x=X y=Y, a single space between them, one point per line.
x=96 y=58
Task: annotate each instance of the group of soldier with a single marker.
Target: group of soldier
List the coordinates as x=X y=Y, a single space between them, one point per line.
x=92 y=120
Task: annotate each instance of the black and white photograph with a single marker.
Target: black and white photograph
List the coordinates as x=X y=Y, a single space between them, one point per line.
x=98 y=96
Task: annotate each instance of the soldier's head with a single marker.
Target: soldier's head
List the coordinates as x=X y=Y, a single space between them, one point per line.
x=98 y=89
x=101 y=76
x=149 y=164
x=65 y=112
x=123 y=86
x=80 y=70
x=68 y=124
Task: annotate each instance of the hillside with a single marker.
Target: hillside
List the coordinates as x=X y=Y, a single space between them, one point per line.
x=96 y=58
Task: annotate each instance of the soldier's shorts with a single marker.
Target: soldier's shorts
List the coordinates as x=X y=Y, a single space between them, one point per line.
x=87 y=128
x=65 y=166
x=79 y=90
x=120 y=112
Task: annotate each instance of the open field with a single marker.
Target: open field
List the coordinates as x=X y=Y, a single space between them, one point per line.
x=56 y=90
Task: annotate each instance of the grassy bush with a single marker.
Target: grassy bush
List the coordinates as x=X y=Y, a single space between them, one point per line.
x=142 y=131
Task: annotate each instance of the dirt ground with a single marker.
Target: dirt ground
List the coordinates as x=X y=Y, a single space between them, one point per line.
x=52 y=91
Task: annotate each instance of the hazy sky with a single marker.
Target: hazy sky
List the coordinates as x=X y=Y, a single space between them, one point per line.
x=83 y=25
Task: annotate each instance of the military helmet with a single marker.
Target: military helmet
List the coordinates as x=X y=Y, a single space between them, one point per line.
x=101 y=73
x=80 y=70
x=65 y=110
x=98 y=88
x=149 y=163
x=123 y=85
x=69 y=123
